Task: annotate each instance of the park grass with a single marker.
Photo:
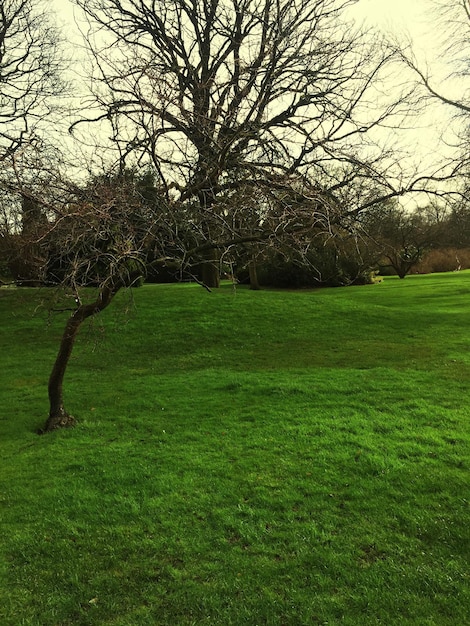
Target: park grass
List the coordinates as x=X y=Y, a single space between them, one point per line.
x=261 y=458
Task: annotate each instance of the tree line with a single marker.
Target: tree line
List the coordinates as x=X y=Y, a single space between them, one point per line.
x=386 y=240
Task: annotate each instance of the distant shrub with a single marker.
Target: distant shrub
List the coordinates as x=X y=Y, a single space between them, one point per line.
x=444 y=260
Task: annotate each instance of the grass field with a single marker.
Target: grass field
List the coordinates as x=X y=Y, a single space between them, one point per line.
x=242 y=458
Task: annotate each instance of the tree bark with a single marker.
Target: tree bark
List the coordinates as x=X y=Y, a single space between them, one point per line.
x=210 y=274
x=210 y=264
x=58 y=416
x=253 y=273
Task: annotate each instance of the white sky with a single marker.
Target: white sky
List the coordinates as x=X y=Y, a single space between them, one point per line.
x=394 y=13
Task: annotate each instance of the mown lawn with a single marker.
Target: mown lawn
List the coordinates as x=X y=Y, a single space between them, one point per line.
x=260 y=458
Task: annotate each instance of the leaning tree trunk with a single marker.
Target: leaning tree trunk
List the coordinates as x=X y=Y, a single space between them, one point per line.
x=58 y=416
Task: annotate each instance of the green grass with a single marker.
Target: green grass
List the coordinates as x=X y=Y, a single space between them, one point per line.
x=261 y=458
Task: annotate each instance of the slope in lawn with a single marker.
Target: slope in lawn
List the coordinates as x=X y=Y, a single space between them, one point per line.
x=241 y=458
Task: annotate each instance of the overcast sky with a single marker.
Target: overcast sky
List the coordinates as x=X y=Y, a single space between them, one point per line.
x=396 y=13
x=416 y=20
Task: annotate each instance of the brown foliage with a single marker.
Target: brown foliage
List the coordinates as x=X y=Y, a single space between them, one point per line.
x=444 y=260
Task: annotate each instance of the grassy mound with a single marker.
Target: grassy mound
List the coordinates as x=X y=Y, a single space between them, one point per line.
x=259 y=458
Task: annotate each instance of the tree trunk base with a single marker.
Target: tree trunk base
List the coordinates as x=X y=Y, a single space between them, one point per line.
x=54 y=422
x=253 y=273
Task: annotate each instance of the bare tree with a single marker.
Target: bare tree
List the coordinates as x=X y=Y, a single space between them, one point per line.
x=451 y=88
x=253 y=117
x=454 y=18
x=30 y=71
x=221 y=91
x=401 y=237
x=98 y=240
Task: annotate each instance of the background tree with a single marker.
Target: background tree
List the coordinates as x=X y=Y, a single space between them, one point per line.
x=402 y=237
x=31 y=63
x=31 y=70
x=32 y=182
x=457 y=231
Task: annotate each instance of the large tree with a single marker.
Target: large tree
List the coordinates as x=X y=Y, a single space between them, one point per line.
x=31 y=83
x=253 y=117
x=30 y=71
x=214 y=92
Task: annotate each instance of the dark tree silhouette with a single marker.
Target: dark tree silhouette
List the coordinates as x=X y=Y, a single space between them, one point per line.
x=98 y=241
x=30 y=71
x=402 y=237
